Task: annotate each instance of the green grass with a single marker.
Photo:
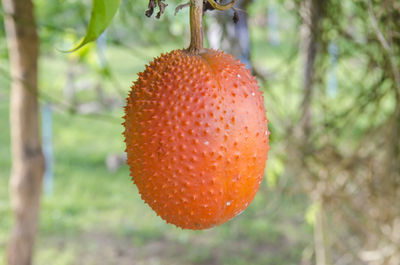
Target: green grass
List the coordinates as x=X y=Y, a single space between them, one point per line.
x=97 y=217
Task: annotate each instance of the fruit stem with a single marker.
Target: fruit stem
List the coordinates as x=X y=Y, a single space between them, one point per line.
x=196 y=27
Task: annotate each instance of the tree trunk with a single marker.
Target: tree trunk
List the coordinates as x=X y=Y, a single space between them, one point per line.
x=320 y=236
x=27 y=158
x=311 y=13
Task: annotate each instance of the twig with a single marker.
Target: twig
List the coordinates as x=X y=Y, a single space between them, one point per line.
x=178 y=8
x=387 y=47
x=153 y=4
x=161 y=6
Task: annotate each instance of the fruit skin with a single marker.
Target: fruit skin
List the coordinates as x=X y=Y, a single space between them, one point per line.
x=197 y=137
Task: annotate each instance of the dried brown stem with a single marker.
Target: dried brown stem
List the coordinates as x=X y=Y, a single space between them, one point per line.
x=178 y=8
x=152 y=5
x=161 y=7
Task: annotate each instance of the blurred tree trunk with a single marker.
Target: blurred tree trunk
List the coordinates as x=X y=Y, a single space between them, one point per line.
x=27 y=157
x=311 y=13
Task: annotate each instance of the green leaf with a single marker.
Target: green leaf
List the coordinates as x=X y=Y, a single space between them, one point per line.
x=102 y=13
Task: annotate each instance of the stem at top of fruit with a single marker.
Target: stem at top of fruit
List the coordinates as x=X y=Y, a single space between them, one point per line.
x=196 y=27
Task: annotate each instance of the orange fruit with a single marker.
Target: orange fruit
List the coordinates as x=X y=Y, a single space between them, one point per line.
x=197 y=137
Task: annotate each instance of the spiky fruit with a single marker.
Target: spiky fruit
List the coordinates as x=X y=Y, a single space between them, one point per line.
x=197 y=138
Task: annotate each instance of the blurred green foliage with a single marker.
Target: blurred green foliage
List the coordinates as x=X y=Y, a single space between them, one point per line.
x=94 y=214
